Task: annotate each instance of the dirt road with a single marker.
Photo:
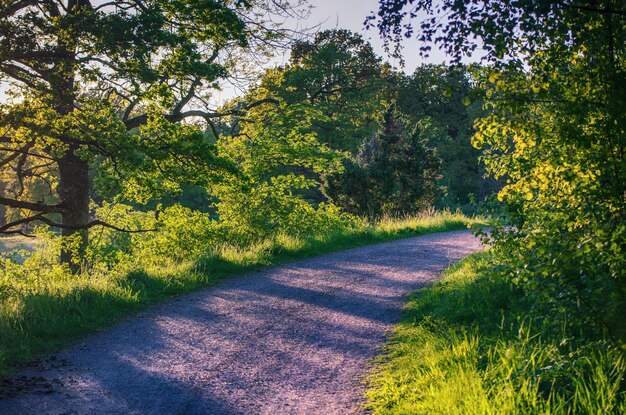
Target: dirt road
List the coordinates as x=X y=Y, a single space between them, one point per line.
x=295 y=339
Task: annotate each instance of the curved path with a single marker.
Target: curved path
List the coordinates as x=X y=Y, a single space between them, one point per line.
x=295 y=339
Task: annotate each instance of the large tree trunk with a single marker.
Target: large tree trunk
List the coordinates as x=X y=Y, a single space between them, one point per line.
x=73 y=190
x=73 y=187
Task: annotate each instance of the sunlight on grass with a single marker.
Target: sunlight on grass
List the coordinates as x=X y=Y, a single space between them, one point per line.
x=467 y=346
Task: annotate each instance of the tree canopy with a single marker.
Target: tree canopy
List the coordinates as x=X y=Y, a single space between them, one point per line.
x=555 y=131
x=100 y=90
x=395 y=171
x=339 y=74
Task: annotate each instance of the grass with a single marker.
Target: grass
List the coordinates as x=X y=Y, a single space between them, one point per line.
x=469 y=345
x=43 y=313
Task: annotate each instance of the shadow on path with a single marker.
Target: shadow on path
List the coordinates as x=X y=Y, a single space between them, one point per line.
x=293 y=339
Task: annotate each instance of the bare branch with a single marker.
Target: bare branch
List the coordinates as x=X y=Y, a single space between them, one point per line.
x=175 y=117
x=35 y=207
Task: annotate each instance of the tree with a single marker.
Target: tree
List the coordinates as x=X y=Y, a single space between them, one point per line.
x=394 y=172
x=556 y=132
x=274 y=148
x=339 y=74
x=100 y=92
x=446 y=95
x=337 y=82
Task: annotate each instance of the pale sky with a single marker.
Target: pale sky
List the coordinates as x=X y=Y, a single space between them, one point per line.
x=350 y=14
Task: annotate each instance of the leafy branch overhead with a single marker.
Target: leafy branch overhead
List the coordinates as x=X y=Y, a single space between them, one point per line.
x=115 y=95
x=554 y=132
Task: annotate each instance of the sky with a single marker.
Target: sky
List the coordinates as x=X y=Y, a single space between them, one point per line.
x=350 y=14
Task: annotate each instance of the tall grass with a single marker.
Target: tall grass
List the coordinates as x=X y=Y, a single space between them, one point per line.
x=43 y=309
x=468 y=345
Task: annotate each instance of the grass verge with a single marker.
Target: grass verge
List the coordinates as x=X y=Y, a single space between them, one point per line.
x=39 y=315
x=470 y=345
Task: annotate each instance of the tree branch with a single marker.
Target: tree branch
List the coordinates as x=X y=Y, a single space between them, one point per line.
x=91 y=224
x=6 y=228
x=22 y=75
x=15 y=7
x=17 y=153
x=185 y=99
x=17 y=232
x=35 y=207
x=175 y=117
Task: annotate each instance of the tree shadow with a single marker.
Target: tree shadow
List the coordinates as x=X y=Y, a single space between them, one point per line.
x=251 y=343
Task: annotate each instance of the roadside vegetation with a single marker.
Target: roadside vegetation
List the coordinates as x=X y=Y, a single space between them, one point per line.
x=536 y=326
x=43 y=306
x=138 y=185
x=473 y=344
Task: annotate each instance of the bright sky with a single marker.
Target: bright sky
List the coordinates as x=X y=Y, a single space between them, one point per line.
x=350 y=14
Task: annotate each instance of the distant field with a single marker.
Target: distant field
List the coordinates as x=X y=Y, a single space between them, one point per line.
x=10 y=243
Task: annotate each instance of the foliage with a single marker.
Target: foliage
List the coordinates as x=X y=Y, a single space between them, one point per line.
x=468 y=345
x=340 y=79
x=395 y=172
x=331 y=85
x=556 y=132
x=339 y=75
x=564 y=160
x=449 y=98
x=279 y=157
x=100 y=90
x=176 y=234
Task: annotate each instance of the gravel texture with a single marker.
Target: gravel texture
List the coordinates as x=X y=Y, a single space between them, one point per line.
x=295 y=339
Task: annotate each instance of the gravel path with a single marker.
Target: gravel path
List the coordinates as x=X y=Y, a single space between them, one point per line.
x=295 y=339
